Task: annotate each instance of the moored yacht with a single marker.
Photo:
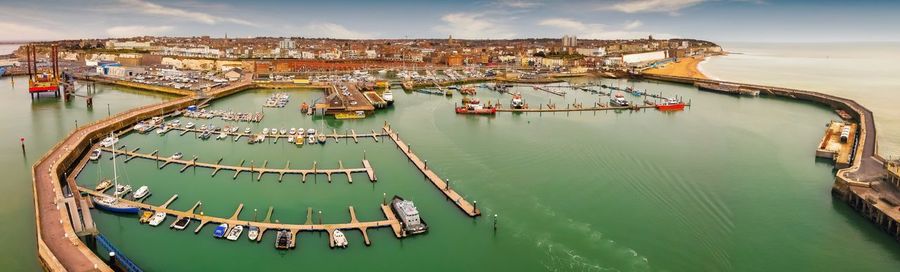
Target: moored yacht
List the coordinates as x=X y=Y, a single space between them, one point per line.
x=339 y=239
x=141 y=192
x=253 y=233
x=220 y=230
x=283 y=239
x=235 y=233
x=122 y=189
x=408 y=215
x=388 y=96
x=182 y=223
x=157 y=218
x=95 y=154
x=176 y=156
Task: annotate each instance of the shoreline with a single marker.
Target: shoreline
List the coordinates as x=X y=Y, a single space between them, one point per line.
x=683 y=67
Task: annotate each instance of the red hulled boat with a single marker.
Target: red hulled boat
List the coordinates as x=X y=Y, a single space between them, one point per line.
x=476 y=109
x=670 y=105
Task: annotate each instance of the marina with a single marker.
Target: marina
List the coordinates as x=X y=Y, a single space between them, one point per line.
x=390 y=221
x=251 y=169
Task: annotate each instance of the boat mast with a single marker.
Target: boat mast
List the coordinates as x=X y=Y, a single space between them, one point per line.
x=115 y=173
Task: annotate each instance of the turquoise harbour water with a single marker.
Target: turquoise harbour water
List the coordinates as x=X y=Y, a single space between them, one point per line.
x=729 y=184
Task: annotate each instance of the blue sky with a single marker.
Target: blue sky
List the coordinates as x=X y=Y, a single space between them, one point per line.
x=715 y=20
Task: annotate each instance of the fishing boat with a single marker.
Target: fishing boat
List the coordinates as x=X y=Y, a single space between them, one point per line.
x=476 y=109
x=176 y=156
x=157 y=218
x=122 y=189
x=182 y=223
x=409 y=217
x=235 y=233
x=253 y=233
x=470 y=100
x=304 y=107
x=95 y=155
x=517 y=101
x=103 y=185
x=145 y=217
x=388 y=97
x=220 y=230
x=339 y=239
x=670 y=105
x=283 y=239
x=619 y=100
x=141 y=192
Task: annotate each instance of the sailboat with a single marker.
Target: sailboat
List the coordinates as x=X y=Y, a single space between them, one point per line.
x=112 y=203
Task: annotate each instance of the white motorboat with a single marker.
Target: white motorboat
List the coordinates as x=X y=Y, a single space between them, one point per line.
x=265 y=131
x=222 y=136
x=292 y=131
x=176 y=156
x=203 y=127
x=95 y=155
x=235 y=233
x=253 y=233
x=157 y=218
x=283 y=131
x=311 y=139
x=189 y=125
x=182 y=223
x=247 y=131
x=290 y=139
x=274 y=131
x=109 y=141
x=388 y=97
x=300 y=131
x=141 y=192
x=311 y=131
x=339 y=239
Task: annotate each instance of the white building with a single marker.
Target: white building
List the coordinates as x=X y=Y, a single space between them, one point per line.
x=569 y=41
x=114 y=44
x=286 y=44
x=643 y=58
x=591 y=52
x=199 y=52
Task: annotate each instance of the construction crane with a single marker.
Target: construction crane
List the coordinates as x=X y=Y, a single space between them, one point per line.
x=40 y=80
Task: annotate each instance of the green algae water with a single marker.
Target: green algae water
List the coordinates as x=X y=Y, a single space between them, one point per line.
x=42 y=122
x=729 y=184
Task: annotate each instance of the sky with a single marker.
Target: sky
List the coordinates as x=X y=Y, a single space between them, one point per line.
x=713 y=20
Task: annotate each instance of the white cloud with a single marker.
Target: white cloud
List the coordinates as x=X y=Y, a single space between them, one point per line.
x=156 y=9
x=633 y=24
x=519 y=3
x=331 y=30
x=18 y=31
x=640 y=6
x=599 y=31
x=473 y=26
x=137 y=30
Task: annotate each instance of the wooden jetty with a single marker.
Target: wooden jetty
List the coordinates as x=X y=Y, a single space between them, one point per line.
x=469 y=208
x=266 y=225
x=259 y=171
x=334 y=135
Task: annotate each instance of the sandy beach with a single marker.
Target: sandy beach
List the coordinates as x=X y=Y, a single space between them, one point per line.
x=685 y=67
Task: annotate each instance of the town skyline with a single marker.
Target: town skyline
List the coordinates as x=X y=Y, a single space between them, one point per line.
x=728 y=21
